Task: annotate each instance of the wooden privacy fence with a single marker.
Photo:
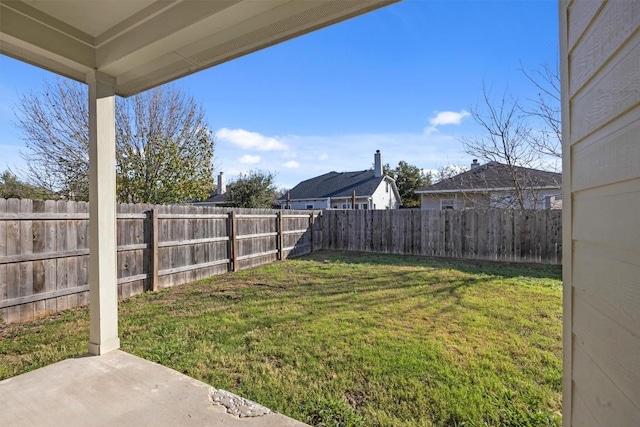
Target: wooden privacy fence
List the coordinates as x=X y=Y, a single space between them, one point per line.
x=503 y=235
x=44 y=249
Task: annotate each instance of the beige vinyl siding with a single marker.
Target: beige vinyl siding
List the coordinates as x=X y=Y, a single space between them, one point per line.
x=429 y=202
x=494 y=200
x=600 y=53
x=302 y=204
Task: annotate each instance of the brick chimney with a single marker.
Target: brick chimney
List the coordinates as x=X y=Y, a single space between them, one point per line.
x=222 y=186
x=475 y=164
x=377 y=164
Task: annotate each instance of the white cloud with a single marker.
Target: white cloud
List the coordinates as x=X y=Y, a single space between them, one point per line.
x=319 y=154
x=233 y=173
x=350 y=152
x=443 y=118
x=249 y=159
x=292 y=164
x=250 y=140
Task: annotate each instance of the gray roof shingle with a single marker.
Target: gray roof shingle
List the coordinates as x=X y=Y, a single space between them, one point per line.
x=336 y=184
x=213 y=198
x=494 y=175
x=216 y=198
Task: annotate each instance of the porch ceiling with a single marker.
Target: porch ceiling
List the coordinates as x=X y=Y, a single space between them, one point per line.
x=145 y=43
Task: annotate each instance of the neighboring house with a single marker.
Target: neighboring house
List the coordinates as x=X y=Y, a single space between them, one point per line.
x=335 y=190
x=217 y=198
x=495 y=185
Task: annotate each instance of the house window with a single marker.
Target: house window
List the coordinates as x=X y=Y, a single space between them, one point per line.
x=447 y=204
x=387 y=187
x=502 y=200
x=365 y=206
x=553 y=202
x=345 y=206
x=336 y=206
x=309 y=205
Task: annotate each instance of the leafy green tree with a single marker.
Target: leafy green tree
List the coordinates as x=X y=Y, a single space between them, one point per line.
x=12 y=188
x=253 y=190
x=409 y=178
x=164 y=146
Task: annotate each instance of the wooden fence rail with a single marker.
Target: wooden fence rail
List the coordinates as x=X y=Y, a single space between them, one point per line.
x=44 y=249
x=501 y=235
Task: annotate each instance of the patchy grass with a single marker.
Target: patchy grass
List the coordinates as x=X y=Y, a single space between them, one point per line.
x=347 y=339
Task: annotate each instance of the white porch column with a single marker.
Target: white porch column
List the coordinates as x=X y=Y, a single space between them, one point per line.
x=103 y=295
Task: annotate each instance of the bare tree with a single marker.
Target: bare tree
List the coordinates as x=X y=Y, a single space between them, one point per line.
x=164 y=146
x=518 y=140
x=546 y=107
x=448 y=171
x=505 y=139
x=55 y=125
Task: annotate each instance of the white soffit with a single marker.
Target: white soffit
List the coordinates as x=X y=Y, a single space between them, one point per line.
x=145 y=43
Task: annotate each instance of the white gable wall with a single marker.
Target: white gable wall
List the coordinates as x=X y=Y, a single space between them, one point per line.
x=385 y=197
x=600 y=58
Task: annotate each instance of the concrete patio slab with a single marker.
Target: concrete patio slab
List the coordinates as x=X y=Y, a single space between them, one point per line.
x=119 y=389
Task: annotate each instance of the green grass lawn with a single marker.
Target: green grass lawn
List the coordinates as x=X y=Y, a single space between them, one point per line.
x=347 y=339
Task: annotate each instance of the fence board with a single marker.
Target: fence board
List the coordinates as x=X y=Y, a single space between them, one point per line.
x=3 y=268
x=136 y=240
x=38 y=228
x=26 y=268
x=61 y=263
x=82 y=262
x=50 y=265
x=183 y=252
x=13 y=270
x=72 y=262
x=38 y=248
x=122 y=257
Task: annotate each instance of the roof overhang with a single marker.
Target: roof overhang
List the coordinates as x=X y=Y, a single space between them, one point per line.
x=145 y=43
x=486 y=190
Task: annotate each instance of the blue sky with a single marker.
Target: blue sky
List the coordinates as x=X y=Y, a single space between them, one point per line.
x=400 y=79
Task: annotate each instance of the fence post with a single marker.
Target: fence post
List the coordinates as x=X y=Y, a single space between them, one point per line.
x=280 y=236
x=232 y=240
x=153 y=261
x=311 y=239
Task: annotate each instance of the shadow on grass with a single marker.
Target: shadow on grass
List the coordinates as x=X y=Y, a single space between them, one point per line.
x=495 y=268
x=362 y=294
